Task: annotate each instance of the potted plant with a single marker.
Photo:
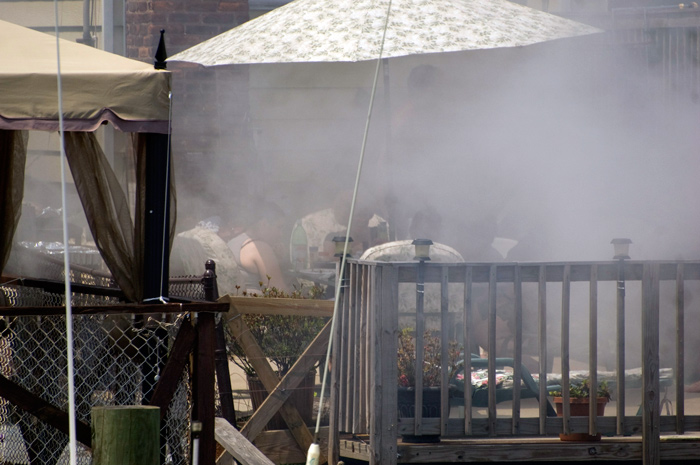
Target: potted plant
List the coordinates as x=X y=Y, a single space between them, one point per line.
x=283 y=338
x=579 y=400
x=431 y=376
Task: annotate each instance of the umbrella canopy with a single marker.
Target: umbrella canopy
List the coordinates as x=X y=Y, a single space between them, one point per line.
x=97 y=86
x=351 y=30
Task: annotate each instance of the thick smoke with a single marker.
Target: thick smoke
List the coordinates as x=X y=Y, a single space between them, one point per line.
x=556 y=148
x=559 y=146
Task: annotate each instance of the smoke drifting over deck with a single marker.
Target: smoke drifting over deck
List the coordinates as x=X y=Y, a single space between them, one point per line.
x=560 y=146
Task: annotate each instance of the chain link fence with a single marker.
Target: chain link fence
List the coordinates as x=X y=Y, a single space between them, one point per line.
x=117 y=361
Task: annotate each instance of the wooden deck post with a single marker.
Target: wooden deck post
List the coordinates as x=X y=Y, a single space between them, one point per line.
x=126 y=435
x=223 y=375
x=334 y=395
x=203 y=408
x=384 y=432
x=620 y=351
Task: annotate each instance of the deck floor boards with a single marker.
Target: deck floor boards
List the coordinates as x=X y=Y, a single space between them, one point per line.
x=673 y=447
x=537 y=448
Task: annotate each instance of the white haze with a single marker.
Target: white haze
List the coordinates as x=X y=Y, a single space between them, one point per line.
x=561 y=147
x=555 y=146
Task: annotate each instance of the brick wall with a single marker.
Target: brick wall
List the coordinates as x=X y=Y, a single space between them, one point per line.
x=197 y=118
x=186 y=22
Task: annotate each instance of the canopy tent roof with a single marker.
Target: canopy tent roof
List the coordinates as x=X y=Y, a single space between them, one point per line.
x=97 y=86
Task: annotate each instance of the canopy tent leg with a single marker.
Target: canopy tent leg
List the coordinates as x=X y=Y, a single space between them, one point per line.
x=156 y=217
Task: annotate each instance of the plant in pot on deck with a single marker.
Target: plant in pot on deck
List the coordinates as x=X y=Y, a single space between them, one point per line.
x=579 y=400
x=283 y=339
x=431 y=376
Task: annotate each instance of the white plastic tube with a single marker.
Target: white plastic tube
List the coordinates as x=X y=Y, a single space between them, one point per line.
x=312 y=457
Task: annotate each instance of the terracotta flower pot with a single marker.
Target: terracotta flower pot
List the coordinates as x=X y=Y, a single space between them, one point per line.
x=578 y=407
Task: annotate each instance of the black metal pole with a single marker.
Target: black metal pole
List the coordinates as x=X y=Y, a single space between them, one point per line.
x=157 y=218
x=157 y=213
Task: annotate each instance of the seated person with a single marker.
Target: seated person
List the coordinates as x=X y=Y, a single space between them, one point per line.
x=426 y=223
x=311 y=232
x=192 y=248
x=253 y=248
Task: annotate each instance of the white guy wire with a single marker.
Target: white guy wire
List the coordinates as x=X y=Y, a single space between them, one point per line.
x=339 y=280
x=66 y=257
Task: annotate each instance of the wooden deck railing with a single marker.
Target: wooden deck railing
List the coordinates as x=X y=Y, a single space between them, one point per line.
x=616 y=297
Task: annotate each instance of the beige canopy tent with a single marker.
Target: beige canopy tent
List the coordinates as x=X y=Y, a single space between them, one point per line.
x=97 y=87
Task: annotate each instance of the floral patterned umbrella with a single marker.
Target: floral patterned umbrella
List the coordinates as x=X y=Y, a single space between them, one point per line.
x=351 y=30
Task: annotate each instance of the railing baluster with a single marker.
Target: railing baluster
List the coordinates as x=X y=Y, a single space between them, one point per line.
x=387 y=363
x=376 y=380
x=345 y=344
x=565 y=321
x=367 y=330
x=420 y=344
x=445 y=331
x=680 y=349
x=593 y=349
x=492 y=350
x=620 y=347
x=542 y=336
x=518 y=347
x=349 y=304
x=467 y=328
x=650 y=365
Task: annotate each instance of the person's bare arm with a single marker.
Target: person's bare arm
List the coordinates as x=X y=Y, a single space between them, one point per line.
x=258 y=257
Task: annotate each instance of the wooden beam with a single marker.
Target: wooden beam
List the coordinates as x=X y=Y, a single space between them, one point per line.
x=238 y=445
x=203 y=409
x=172 y=371
x=59 y=287
x=291 y=380
x=43 y=410
x=527 y=450
x=267 y=375
x=283 y=307
x=281 y=447
x=223 y=376
x=136 y=309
